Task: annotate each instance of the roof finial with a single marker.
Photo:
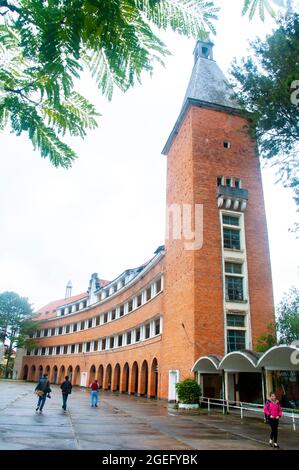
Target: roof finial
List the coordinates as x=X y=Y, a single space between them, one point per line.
x=68 y=290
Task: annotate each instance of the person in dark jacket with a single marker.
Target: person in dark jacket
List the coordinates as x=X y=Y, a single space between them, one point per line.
x=42 y=390
x=66 y=388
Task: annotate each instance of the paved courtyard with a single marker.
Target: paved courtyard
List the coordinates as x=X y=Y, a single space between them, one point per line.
x=121 y=422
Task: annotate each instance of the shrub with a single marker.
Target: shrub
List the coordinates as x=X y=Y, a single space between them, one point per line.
x=188 y=391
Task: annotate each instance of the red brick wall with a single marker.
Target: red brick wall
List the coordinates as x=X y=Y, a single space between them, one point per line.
x=178 y=343
x=194 y=280
x=209 y=130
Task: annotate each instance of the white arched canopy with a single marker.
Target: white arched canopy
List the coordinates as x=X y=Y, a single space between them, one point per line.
x=240 y=361
x=207 y=365
x=281 y=357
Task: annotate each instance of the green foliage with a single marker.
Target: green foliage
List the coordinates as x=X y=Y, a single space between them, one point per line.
x=267 y=340
x=261 y=6
x=46 y=45
x=264 y=87
x=188 y=391
x=16 y=323
x=288 y=317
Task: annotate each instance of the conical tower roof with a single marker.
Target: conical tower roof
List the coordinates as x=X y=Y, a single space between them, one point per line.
x=207 y=88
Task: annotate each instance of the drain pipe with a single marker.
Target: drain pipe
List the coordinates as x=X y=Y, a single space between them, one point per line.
x=263 y=385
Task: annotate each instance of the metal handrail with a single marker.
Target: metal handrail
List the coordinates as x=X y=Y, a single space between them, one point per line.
x=245 y=406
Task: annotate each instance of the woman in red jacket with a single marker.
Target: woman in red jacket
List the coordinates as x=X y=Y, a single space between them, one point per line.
x=274 y=411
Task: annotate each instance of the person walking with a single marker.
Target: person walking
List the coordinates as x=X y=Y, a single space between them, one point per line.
x=66 y=389
x=43 y=391
x=273 y=412
x=94 y=386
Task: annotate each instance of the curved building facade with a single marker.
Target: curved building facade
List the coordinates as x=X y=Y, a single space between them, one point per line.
x=208 y=291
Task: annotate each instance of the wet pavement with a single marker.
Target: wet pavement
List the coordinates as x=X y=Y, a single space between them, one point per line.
x=123 y=423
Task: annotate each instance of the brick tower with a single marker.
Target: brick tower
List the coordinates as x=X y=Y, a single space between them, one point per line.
x=218 y=298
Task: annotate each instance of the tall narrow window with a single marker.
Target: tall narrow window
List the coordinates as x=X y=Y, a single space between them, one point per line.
x=137 y=336
x=147 y=331
x=148 y=293
x=234 y=288
x=231 y=239
x=236 y=340
x=129 y=337
x=220 y=181
x=157 y=327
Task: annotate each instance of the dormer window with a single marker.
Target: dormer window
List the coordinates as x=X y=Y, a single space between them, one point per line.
x=227 y=144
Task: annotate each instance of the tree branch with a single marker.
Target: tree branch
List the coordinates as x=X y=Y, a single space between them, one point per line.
x=13 y=8
x=19 y=92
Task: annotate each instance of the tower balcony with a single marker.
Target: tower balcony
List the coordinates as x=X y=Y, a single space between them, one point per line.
x=232 y=198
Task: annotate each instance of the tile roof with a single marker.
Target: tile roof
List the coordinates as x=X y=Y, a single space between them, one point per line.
x=51 y=307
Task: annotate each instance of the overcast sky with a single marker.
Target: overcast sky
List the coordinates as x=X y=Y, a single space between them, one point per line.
x=107 y=213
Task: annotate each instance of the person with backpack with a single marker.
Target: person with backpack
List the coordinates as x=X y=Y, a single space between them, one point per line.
x=273 y=413
x=94 y=386
x=43 y=391
x=66 y=389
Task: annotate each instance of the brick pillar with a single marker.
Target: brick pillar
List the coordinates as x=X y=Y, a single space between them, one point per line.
x=152 y=377
x=105 y=380
x=132 y=380
x=123 y=379
x=143 y=381
x=115 y=378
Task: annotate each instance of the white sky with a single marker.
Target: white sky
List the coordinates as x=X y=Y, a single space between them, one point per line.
x=107 y=213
